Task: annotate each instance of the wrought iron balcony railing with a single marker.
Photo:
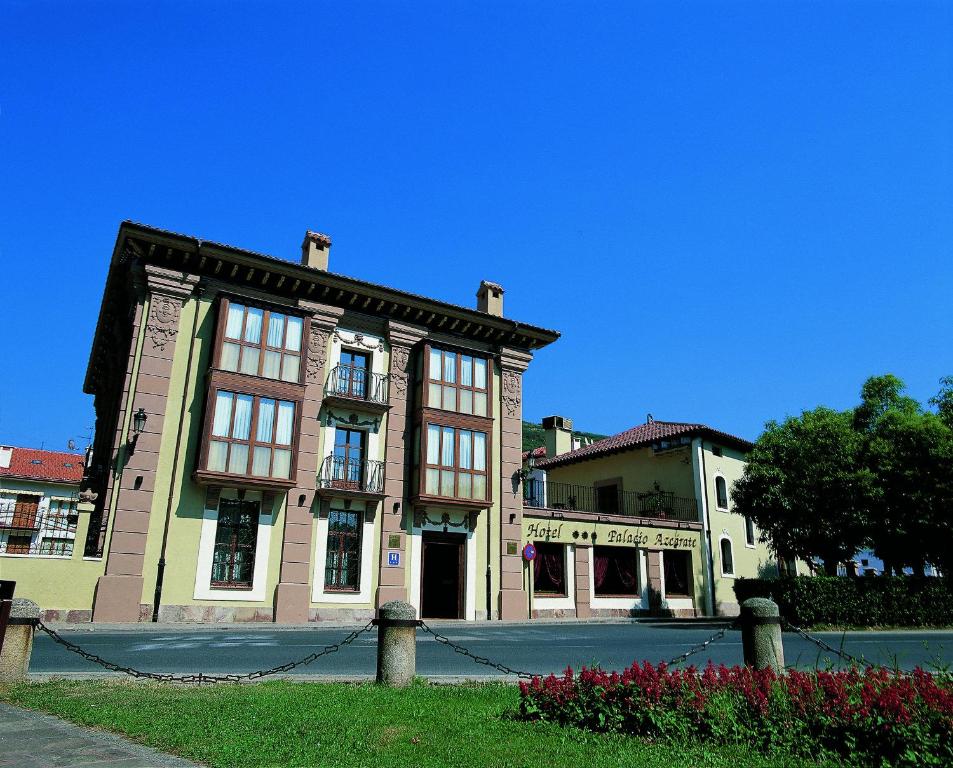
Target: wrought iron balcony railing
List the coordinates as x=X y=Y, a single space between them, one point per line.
x=349 y=474
x=582 y=498
x=359 y=384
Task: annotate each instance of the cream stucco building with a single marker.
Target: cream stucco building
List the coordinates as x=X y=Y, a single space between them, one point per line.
x=639 y=523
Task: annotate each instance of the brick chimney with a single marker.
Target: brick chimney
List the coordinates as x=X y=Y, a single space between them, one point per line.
x=315 y=250
x=490 y=298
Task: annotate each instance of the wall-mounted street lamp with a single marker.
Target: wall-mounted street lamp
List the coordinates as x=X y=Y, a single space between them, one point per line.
x=138 y=425
x=525 y=472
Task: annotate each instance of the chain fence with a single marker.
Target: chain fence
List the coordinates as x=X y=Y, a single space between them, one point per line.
x=201 y=677
x=505 y=669
x=477 y=658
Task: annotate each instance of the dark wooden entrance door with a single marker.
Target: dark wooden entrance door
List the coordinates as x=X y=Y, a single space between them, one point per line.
x=442 y=579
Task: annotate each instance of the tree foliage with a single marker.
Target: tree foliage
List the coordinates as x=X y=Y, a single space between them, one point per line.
x=827 y=483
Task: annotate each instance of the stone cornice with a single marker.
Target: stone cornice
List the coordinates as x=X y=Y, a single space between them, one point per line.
x=514 y=359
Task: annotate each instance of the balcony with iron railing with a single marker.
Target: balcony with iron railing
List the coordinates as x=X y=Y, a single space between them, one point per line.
x=655 y=504
x=349 y=386
x=347 y=476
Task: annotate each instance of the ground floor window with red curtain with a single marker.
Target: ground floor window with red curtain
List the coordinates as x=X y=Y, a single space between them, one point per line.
x=549 y=569
x=615 y=571
x=678 y=573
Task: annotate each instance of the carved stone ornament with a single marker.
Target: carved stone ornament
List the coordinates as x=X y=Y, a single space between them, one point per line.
x=512 y=392
x=358 y=341
x=163 y=323
x=317 y=353
x=399 y=357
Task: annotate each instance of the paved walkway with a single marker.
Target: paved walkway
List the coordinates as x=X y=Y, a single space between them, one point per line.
x=31 y=740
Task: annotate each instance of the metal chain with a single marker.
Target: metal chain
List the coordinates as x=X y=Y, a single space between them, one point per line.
x=478 y=659
x=201 y=677
x=825 y=646
x=702 y=646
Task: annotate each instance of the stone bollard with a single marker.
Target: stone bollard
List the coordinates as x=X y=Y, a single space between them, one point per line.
x=761 y=634
x=396 y=643
x=18 y=640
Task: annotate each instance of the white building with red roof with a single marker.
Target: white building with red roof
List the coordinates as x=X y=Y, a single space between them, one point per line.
x=38 y=499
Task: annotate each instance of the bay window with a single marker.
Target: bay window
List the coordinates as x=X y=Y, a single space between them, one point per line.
x=455 y=465
x=251 y=435
x=458 y=382
x=261 y=342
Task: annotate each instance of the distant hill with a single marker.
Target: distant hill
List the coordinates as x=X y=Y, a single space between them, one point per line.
x=533 y=435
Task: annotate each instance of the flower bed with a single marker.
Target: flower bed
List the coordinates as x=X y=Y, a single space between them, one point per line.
x=870 y=717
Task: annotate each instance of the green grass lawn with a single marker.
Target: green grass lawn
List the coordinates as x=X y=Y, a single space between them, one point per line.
x=316 y=724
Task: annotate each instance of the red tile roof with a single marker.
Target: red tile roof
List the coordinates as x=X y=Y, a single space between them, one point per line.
x=538 y=453
x=36 y=464
x=641 y=436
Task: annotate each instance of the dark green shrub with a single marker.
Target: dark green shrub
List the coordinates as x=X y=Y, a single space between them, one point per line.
x=903 y=601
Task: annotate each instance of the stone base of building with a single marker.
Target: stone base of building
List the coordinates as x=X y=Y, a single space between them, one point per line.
x=727 y=609
x=615 y=613
x=67 y=615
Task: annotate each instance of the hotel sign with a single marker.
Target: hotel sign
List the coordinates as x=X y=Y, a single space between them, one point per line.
x=613 y=535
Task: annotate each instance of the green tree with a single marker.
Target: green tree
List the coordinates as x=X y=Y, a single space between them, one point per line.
x=804 y=487
x=908 y=453
x=944 y=401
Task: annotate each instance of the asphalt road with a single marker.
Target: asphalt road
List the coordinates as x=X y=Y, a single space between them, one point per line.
x=536 y=648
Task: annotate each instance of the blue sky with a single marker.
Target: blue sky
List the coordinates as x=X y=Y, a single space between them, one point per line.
x=732 y=211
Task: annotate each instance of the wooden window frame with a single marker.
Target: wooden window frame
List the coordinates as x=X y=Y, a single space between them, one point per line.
x=459 y=352
x=352 y=368
x=362 y=462
x=441 y=420
x=238 y=384
x=236 y=585
x=340 y=537
x=262 y=346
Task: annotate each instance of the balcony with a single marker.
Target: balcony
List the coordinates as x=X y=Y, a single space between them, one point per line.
x=656 y=504
x=349 y=477
x=357 y=387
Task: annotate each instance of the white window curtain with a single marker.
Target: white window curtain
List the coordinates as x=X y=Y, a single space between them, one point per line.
x=466 y=370
x=266 y=420
x=223 y=414
x=253 y=326
x=479 y=371
x=479 y=451
x=276 y=329
x=435 y=364
x=433 y=444
x=293 y=337
x=242 y=425
x=286 y=415
x=446 y=454
x=450 y=367
x=233 y=324
x=466 y=448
